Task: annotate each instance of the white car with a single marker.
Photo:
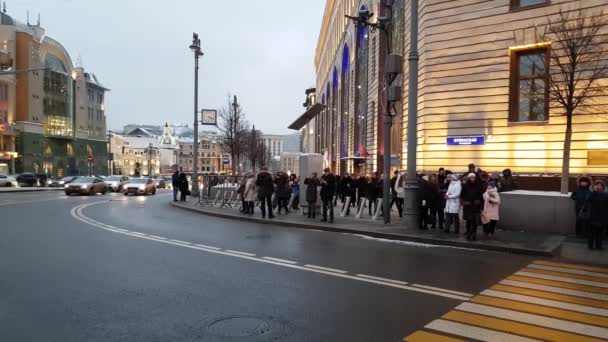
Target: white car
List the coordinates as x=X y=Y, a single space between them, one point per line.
x=8 y=181
x=140 y=186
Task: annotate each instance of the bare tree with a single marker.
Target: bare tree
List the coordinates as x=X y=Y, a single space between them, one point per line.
x=233 y=127
x=255 y=148
x=577 y=66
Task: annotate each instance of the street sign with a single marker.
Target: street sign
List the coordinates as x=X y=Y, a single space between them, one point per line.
x=209 y=117
x=472 y=140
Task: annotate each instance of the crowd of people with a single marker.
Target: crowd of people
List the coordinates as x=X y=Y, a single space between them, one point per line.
x=443 y=198
x=591 y=205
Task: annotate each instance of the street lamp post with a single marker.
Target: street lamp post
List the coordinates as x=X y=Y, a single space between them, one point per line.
x=235 y=137
x=410 y=210
x=196 y=49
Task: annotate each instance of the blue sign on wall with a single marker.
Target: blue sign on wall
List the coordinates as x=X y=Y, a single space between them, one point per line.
x=470 y=140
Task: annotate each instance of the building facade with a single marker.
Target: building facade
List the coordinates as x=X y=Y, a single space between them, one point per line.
x=211 y=158
x=44 y=111
x=140 y=156
x=483 y=89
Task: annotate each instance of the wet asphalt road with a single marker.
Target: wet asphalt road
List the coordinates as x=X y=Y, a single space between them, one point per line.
x=67 y=278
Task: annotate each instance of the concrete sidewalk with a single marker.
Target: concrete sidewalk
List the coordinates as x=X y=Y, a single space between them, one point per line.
x=27 y=189
x=504 y=241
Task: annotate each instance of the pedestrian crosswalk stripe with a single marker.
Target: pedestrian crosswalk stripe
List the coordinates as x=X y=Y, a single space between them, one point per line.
x=547 y=322
x=542 y=310
x=565 y=280
x=507 y=326
x=572 y=266
x=424 y=336
x=561 y=284
x=567 y=275
x=554 y=289
x=546 y=302
x=568 y=270
x=476 y=333
x=549 y=295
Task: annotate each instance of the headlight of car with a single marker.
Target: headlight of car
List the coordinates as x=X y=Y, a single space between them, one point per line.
x=66 y=186
x=83 y=186
x=61 y=182
x=141 y=187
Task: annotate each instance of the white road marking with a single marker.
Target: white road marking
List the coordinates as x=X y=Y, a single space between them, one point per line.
x=280 y=260
x=122 y=230
x=443 y=290
x=562 y=279
x=326 y=268
x=382 y=279
x=208 y=247
x=241 y=253
x=158 y=237
x=77 y=213
x=180 y=241
x=568 y=270
x=547 y=322
x=546 y=302
x=476 y=333
x=554 y=289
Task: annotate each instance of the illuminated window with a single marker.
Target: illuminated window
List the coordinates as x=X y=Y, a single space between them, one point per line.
x=529 y=91
x=517 y=4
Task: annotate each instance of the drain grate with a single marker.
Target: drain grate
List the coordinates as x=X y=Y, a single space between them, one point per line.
x=239 y=326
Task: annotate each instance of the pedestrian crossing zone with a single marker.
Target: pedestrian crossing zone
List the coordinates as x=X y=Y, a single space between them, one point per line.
x=545 y=301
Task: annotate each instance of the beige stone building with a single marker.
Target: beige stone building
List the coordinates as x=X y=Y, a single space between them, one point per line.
x=211 y=157
x=482 y=82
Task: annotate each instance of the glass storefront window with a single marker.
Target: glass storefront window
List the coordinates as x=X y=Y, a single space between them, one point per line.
x=58 y=99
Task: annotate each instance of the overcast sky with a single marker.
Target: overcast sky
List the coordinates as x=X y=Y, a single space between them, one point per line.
x=262 y=51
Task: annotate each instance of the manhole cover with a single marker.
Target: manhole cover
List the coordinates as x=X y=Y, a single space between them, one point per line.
x=239 y=326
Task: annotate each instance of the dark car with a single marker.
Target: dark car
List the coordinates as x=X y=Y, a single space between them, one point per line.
x=27 y=179
x=42 y=179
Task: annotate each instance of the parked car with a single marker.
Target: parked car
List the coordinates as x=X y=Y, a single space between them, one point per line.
x=116 y=183
x=8 y=181
x=56 y=183
x=86 y=186
x=27 y=179
x=140 y=186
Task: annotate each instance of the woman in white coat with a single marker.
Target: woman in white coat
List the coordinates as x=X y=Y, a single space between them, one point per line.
x=452 y=204
x=249 y=194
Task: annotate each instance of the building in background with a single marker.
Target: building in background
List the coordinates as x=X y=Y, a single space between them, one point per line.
x=290 y=162
x=476 y=103
x=45 y=114
x=141 y=157
x=292 y=142
x=211 y=159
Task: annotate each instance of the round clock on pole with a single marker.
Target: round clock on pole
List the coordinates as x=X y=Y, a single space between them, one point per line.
x=209 y=117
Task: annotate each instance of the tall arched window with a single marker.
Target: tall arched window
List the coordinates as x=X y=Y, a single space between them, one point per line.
x=397 y=46
x=334 y=119
x=344 y=101
x=360 y=138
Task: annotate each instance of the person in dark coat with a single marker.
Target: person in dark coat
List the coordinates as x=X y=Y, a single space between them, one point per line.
x=183 y=187
x=283 y=192
x=580 y=197
x=471 y=198
x=347 y=190
x=507 y=182
x=426 y=196
x=371 y=193
x=598 y=210
x=360 y=188
x=266 y=189
x=438 y=201
x=175 y=185
x=328 y=191
x=312 y=185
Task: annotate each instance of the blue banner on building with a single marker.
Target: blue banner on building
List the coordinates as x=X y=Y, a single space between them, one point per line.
x=471 y=140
